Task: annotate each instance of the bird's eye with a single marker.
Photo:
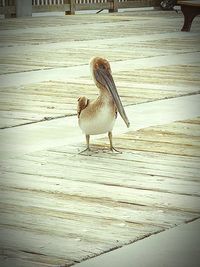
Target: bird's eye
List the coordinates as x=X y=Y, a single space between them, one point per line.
x=102 y=66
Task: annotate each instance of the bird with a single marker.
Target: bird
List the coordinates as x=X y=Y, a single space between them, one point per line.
x=98 y=116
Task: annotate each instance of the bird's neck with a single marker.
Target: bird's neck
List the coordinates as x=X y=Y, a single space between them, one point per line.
x=105 y=97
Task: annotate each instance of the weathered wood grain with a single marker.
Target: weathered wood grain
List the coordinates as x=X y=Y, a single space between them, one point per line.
x=54 y=99
x=179 y=138
x=73 y=41
x=127 y=196
x=59 y=207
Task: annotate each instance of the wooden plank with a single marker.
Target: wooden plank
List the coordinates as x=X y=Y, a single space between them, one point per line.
x=178 y=139
x=74 y=207
x=149 y=197
x=169 y=167
x=71 y=226
x=143 y=157
x=51 y=99
x=138 y=193
x=146 y=169
x=131 y=183
x=27 y=242
x=165 y=75
x=164 y=137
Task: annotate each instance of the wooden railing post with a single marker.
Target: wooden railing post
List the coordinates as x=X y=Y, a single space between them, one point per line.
x=113 y=6
x=72 y=7
x=23 y=8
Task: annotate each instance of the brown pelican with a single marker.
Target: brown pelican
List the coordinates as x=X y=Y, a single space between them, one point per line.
x=98 y=116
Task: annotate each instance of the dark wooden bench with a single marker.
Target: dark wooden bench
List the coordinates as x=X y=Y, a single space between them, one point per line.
x=190 y=10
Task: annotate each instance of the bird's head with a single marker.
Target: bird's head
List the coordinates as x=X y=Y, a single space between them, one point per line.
x=102 y=76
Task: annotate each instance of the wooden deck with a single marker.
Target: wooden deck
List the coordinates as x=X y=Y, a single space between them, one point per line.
x=59 y=207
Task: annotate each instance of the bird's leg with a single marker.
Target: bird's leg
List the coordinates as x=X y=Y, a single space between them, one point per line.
x=88 y=144
x=111 y=144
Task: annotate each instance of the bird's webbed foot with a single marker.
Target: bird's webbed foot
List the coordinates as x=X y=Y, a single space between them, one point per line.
x=115 y=150
x=88 y=150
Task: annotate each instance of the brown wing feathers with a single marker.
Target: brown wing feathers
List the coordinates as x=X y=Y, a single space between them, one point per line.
x=82 y=104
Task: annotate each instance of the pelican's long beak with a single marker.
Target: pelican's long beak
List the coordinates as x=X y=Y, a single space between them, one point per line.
x=110 y=85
